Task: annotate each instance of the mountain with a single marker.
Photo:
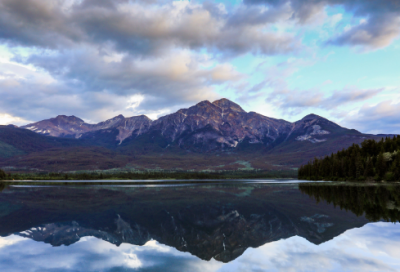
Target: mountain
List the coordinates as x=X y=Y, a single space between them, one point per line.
x=221 y=124
x=218 y=135
x=71 y=126
x=203 y=127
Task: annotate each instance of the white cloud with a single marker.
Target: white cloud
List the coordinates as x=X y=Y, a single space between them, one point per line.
x=376 y=118
x=373 y=247
x=6 y=119
x=359 y=249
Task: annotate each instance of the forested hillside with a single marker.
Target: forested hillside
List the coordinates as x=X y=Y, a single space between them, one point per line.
x=372 y=161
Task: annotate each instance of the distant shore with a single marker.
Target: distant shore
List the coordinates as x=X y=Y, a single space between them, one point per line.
x=5 y=183
x=151 y=175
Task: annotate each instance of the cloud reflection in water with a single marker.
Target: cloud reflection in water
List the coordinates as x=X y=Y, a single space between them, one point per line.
x=374 y=247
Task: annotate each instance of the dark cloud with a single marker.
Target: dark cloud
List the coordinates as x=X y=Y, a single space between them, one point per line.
x=36 y=23
x=110 y=4
x=140 y=29
x=376 y=32
x=381 y=26
x=154 y=31
x=254 y=15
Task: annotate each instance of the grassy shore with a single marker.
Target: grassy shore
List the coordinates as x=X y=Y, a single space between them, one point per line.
x=149 y=175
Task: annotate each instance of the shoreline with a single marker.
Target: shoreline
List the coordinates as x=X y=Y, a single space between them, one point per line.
x=150 y=182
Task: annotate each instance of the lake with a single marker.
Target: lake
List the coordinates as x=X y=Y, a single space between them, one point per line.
x=218 y=226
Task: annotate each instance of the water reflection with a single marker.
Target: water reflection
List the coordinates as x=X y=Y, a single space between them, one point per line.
x=197 y=228
x=375 y=201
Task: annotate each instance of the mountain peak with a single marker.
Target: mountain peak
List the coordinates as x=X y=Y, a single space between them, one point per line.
x=226 y=104
x=71 y=118
x=319 y=119
x=311 y=116
x=139 y=117
x=203 y=103
x=143 y=117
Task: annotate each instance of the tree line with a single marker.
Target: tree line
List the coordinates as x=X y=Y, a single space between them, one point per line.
x=149 y=175
x=375 y=202
x=373 y=160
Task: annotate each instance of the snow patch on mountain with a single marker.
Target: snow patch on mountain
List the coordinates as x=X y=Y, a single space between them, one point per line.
x=309 y=137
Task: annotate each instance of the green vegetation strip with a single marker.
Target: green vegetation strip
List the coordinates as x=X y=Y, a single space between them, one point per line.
x=149 y=175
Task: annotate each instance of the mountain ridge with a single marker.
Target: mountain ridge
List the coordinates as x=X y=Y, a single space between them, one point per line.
x=220 y=114
x=206 y=136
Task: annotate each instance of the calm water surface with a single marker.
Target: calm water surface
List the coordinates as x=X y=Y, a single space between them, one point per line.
x=210 y=227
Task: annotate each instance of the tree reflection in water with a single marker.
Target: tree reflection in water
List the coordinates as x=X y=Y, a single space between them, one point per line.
x=375 y=202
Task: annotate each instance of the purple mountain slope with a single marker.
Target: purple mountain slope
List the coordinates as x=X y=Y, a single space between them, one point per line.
x=210 y=125
x=218 y=135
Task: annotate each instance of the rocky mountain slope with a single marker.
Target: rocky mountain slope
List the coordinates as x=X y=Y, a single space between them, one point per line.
x=218 y=135
x=205 y=126
x=71 y=126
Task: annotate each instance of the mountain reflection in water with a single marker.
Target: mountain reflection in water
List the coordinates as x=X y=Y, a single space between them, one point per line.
x=208 y=221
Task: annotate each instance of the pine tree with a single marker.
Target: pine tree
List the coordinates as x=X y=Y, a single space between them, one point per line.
x=380 y=165
x=358 y=165
x=369 y=169
x=2 y=175
x=395 y=168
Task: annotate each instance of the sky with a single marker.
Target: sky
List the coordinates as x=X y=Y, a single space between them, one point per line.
x=374 y=247
x=96 y=59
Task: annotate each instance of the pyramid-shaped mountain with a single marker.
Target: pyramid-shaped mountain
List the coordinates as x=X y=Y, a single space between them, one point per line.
x=204 y=133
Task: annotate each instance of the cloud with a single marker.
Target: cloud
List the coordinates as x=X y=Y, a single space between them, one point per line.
x=296 y=100
x=92 y=254
x=89 y=84
x=373 y=247
x=376 y=32
x=94 y=59
x=6 y=119
x=292 y=101
x=274 y=79
x=381 y=26
x=89 y=58
x=376 y=119
x=140 y=29
x=22 y=21
x=254 y=15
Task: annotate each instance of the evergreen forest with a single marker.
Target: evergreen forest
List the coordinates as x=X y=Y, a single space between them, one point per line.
x=372 y=161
